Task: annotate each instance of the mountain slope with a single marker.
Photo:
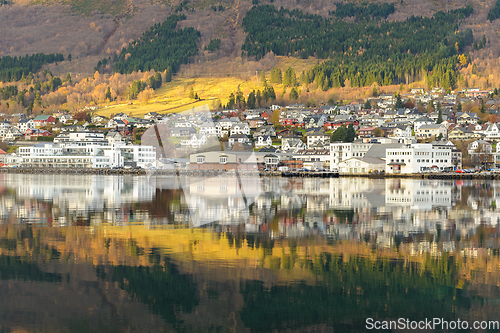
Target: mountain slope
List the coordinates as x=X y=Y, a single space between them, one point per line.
x=94 y=30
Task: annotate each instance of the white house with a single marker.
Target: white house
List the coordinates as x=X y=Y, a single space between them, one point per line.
x=422 y=121
x=401 y=131
x=317 y=138
x=430 y=131
x=493 y=131
x=12 y=134
x=195 y=141
x=114 y=137
x=209 y=129
x=485 y=147
x=65 y=118
x=241 y=138
x=120 y=116
x=25 y=124
x=263 y=141
x=292 y=144
x=240 y=128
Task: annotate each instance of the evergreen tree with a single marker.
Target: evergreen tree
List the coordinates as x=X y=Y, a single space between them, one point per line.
x=440 y=114
x=294 y=94
x=262 y=77
x=339 y=134
x=483 y=107
x=158 y=80
x=251 y=100
x=231 y=102
x=350 y=133
x=367 y=105
x=258 y=97
x=399 y=104
x=107 y=95
x=276 y=76
x=168 y=74
x=38 y=99
x=240 y=100
x=269 y=94
x=289 y=79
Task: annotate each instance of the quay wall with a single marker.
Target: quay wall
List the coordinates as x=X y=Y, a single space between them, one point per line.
x=212 y=173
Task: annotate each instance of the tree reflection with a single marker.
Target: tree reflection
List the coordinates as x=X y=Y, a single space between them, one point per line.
x=349 y=290
x=162 y=288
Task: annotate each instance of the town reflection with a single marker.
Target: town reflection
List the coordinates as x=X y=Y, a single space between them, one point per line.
x=341 y=209
x=224 y=254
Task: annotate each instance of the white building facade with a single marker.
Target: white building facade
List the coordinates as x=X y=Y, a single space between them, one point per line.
x=416 y=158
x=71 y=155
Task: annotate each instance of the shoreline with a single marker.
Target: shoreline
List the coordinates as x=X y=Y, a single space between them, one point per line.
x=212 y=173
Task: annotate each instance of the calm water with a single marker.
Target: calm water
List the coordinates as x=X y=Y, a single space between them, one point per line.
x=239 y=254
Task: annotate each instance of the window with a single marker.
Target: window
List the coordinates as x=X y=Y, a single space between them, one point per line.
x=200 y=159
x=222 y=159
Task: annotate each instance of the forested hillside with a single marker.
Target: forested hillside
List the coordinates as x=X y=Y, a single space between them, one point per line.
x=15 y=68
x=163 y=47
x=363 y=52
x=331 y=46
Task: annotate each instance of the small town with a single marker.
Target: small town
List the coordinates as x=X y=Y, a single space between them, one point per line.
x=420 y=131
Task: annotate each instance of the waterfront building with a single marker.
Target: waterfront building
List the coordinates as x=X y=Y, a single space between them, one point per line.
x=456 y=154
x=339 y=151
x=73 y=155
x=227 y=160
x=417 y=158
x=362 y=165
x=314 y=158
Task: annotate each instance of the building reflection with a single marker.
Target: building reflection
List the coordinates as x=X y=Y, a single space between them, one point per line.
x=389 y=211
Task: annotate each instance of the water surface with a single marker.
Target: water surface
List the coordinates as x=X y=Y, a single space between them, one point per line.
x=235 y=254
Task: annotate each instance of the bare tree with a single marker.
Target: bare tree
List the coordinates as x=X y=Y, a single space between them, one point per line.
x=482 y=156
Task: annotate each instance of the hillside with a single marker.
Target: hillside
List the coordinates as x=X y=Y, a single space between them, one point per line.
x=91 y=31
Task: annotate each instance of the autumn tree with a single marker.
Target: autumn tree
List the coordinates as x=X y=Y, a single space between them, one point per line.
x=378 y=132
x=82 y=116
x=275 y=117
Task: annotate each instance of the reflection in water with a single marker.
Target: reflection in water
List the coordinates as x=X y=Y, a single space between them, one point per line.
x=105 y=254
